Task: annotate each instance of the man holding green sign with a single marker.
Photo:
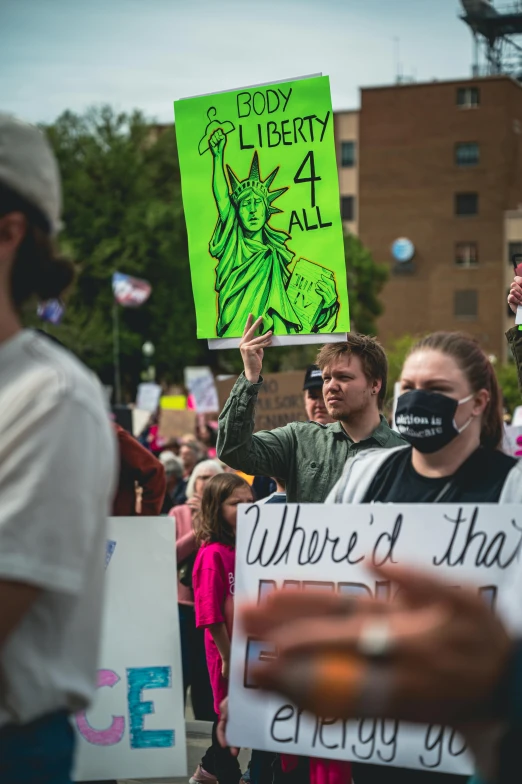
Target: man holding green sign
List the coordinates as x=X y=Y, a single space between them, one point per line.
x=283 y=263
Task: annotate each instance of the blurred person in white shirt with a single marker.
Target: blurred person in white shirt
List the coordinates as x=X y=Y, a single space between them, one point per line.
x=57 y=471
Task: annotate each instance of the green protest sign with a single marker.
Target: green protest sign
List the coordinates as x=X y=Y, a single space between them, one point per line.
x=261 y=198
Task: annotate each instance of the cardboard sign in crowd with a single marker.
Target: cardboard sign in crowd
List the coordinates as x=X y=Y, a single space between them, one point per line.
x=279 y=402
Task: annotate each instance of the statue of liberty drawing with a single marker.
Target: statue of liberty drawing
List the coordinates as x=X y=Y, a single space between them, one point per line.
x=252 y=274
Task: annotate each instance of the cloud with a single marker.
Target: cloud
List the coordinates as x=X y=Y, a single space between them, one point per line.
x=59 y=55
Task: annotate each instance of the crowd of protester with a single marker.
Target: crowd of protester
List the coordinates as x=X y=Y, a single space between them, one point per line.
x=64 y=468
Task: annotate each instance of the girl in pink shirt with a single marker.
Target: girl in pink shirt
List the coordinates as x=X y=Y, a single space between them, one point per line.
x=213 y=580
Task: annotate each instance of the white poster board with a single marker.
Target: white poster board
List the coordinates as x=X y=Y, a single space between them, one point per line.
x=140 y=419
x=148 y=397
x=329 y=547
x=512 y=443
x=200 y=383
x=136 y=727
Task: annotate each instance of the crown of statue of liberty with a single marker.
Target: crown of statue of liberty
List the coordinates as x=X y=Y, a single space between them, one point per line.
x=254 y=182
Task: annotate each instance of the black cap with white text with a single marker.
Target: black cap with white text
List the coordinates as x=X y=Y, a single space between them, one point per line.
x=313 y=378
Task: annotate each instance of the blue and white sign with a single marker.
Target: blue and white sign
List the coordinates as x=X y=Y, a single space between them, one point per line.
x=403 y=249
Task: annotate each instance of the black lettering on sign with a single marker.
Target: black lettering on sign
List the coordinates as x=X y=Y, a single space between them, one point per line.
x=307 y=224
x=467 y=540
x=298 y=129
x=319 y=218
x=382 y=555
x=273 y=135
x=284 y=714
x=260 y=101
x=324 y=124
x=437 y=741
x=454 y=748
x=242 y=144
x=308 y=546
x=272 y=101
x=433 y=742
x=320 y=724
x=294 y=221
x=286 y=133
x=389 y=733
x=243 y=104
x=309 y=160
x=378 y=736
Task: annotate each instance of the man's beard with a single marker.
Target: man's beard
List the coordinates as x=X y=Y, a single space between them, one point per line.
x=346 y=414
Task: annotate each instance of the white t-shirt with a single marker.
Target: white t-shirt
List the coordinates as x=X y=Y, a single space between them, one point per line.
x=57 y=472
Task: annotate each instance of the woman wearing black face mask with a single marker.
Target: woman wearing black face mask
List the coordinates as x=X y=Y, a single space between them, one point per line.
x=449 y=411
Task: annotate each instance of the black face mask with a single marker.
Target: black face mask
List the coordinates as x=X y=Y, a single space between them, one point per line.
x=427 y=419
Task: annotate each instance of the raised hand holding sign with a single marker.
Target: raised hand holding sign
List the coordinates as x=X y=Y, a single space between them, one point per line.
x=252 y=349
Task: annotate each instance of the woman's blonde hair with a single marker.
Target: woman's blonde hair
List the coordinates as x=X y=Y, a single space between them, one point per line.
x=211 y=525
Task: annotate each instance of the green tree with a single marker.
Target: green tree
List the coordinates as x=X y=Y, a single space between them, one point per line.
x=508 y=381
x=123 y=212
x=366 y=279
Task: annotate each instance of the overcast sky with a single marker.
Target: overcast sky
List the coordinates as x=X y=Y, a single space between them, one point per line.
x=71 y=54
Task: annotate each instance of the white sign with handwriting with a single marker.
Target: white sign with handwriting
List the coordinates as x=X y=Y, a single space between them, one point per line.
x=331 y=547
x=136 y=725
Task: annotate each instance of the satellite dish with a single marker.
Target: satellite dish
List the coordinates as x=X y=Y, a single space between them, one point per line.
x=403 y=250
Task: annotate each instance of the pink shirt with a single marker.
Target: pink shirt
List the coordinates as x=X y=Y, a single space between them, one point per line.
x=213 y=581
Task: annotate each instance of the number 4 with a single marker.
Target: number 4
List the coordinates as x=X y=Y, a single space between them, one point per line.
x=312 y=179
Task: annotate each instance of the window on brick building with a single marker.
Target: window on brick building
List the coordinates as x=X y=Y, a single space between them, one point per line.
x=466 y=254
x=468 y=97
x=347 y=154
x=465 y=304
x=348 y=208
x=467 y=154
x=466 y=203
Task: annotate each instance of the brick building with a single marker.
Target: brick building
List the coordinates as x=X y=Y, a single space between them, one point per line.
x=346 y=129
x=438 y=166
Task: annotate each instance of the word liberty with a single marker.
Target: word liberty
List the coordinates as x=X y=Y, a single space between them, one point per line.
x=287 y=132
